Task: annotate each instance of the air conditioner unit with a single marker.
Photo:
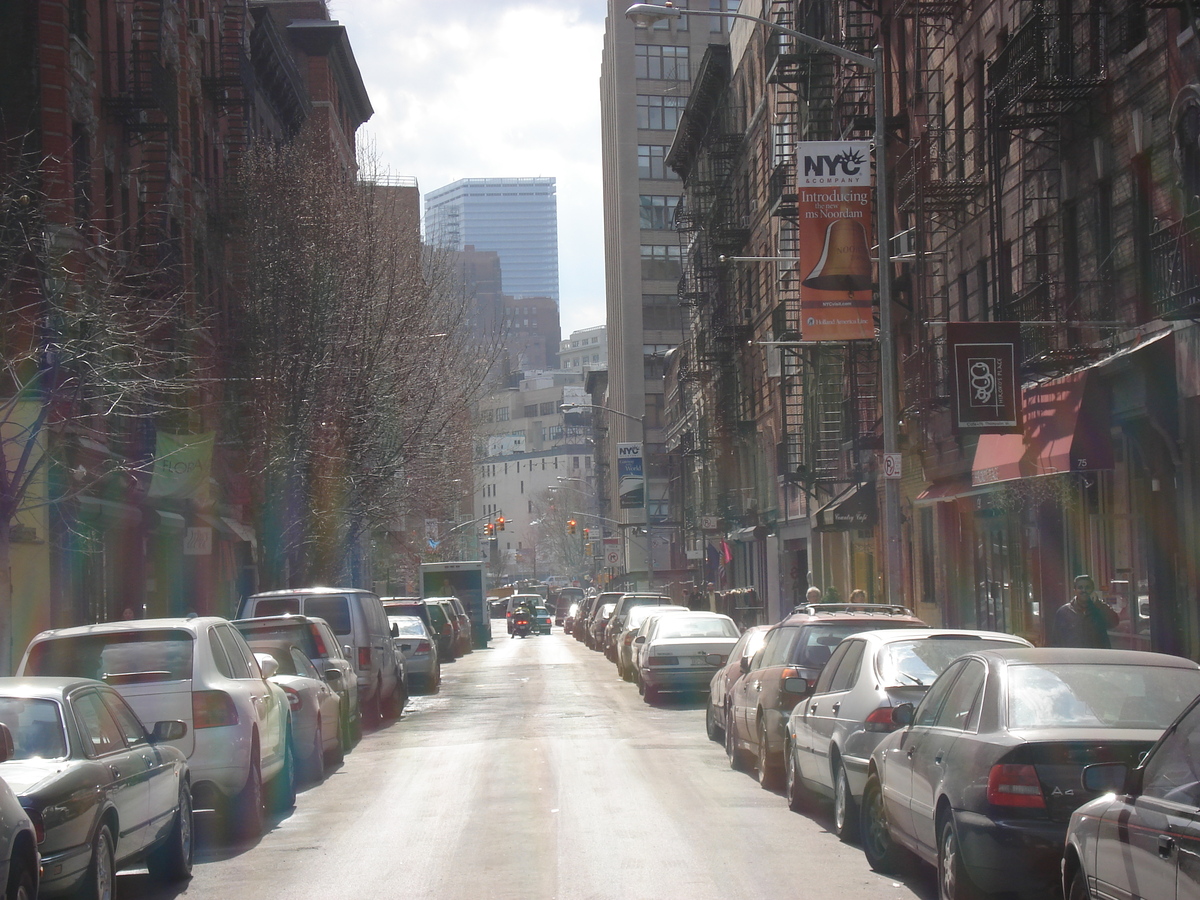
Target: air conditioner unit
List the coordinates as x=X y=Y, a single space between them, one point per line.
x=903 y=245
x=199 y=27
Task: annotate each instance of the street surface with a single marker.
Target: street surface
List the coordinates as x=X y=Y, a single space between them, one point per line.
x=537 y=773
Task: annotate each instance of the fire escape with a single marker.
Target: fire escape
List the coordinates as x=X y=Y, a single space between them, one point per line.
x=1048 y=72
x=830 y=392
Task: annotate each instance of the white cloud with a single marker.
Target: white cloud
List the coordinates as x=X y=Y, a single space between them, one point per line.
x=478 y=89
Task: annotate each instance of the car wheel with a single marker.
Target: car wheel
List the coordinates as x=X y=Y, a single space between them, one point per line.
x=715 y=732
x=797 y=794
x=768 y=770
x=954 y=881
x=737 y=757
x=845 y=811
x=172 y=860
x=881 y=851
x=650 y=693
x=283 y=785
x=245 y=812
x=338 y=754
x=1079 y=887
x=102 y=869
x=316 y=763
x=20 y=881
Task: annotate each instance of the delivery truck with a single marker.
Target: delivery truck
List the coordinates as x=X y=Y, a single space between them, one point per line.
x=466 y=581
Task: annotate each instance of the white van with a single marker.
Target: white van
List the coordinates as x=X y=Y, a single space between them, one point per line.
x=360 y=623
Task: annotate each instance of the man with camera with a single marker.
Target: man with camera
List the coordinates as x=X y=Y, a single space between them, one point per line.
x=1084 y=621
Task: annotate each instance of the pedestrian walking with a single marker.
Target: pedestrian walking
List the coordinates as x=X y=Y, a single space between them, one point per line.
x=1084 y=620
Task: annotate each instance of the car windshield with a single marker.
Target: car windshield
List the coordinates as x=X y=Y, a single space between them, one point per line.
x=123 y=657
x=920 y=661
x=816 y=642
x=334 y=610
x=36 y=726
x=407 y=625
x=298 y=633
x=695 y=627
x=1091 y=695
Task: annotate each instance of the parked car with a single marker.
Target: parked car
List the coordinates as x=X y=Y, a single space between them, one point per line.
x=718 y=688
x=441 y=626
x=633 y=623
x=598 y=624
x=102 y=791
x=465 y=644
x=20 y=867
x=787 y=666
x=200 y=671
x=408 y=606
x=1139 y=838
x=616 y=622
x=316 y=708
x=419 y=649
x=982 y=777
x=317 y=640
x=832 y=732
x=357 y=618
x=567 y=597
x=681 y=651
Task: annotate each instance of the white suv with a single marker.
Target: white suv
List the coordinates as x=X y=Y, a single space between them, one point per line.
x=201 y=671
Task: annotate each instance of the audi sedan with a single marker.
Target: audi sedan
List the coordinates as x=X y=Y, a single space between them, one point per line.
x=103 y=793
x=681 y=651
x=983 y=776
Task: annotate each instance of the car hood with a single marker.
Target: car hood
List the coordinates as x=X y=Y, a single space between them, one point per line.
x=25 y=776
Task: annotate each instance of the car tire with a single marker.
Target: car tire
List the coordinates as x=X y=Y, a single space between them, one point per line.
x=883 y=854
x=338 y=755
x=316 y=764
x=1078 y=889
x=715 y=732
x=172 y=859
x=650 y=693
x=21 y=881
x=737 y=757
x=283 y=785
x=797 y=793
x=769 y=774
x=845 y=810
x=244 y=814
x=100 y=881
x=954 y=881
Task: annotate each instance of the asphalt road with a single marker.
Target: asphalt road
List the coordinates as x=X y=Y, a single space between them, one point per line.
x=537 y=773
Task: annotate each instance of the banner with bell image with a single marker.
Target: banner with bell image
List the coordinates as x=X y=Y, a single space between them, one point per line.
x=836 y=273
x=985 y=385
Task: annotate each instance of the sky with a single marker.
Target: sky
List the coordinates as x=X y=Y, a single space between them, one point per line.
x=491 y=89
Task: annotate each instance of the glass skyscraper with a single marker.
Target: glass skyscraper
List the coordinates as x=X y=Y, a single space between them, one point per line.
x=515 y=217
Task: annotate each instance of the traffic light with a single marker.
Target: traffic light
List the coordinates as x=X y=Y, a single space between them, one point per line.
x=586 y=532
x=489 y=529
x=500 y=523
x=570 y=526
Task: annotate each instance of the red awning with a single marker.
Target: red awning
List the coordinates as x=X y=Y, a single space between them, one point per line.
x=1066 y=430
x=943 y=490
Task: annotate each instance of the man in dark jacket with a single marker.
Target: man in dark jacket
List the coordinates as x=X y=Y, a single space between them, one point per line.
x=1084 y=621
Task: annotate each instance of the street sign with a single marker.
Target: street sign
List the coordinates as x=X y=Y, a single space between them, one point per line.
x=612 y=557
x=891 y=466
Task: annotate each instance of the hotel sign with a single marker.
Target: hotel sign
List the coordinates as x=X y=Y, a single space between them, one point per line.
x=985 y=387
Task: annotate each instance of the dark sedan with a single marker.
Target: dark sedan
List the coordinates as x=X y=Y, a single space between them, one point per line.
x=103 y=793
x=983 y=776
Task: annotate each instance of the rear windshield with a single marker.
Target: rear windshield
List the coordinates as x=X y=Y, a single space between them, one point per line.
x=919 y=662
x=36 y=726
x=1094 y=695
x=277 y=606
x=126 y=657
x=437 y=615
x=334 y=610
x=816 y=642
x=408 y=625
x=688 y=627
x=298 y=633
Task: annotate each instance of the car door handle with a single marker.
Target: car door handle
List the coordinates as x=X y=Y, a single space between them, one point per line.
x=937 y=760
x=836 y=707
x=910 y=752
x=813 y=708
x=1166 y=846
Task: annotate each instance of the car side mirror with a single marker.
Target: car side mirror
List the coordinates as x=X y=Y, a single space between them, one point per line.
x=7 y=748
x=796 y=685
x=333 y=678
x=1106 y=778
x=744 y=664
x=640 y=639
x=347 y=652
x=268 y=664
x=167 y=730
x=902 y=715
x=395 y=630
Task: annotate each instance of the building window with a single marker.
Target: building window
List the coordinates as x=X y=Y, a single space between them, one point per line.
x=661 y=262
x=531 y=410
x=661 y=62
x=659 y=113
x=546 y=409
x=716 y=25
x=657 y=212
x=652 y=163
x=502 y=414
x=661 y=312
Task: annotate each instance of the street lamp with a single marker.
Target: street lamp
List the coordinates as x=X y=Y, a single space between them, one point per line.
x=648 y=14
x=641 y=420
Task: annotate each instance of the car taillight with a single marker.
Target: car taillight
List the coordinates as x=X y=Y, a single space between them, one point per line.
x=1015 y=785
x=364 y=657
x=628 y=638
x=39 y=827
x=320 y=645
x=880 y=720
x=293 y=696
x=424 y=647
x=211 y=709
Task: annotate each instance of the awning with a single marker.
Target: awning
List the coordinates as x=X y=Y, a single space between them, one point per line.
x=244 y=532
x=109 y=512
x=943 y=490
x=1066 y=430
x=851 y=510
x=169 y=521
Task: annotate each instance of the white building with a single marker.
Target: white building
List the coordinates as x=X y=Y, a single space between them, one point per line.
x=584 y=350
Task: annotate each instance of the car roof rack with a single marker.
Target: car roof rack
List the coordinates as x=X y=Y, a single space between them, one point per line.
x=876 y=608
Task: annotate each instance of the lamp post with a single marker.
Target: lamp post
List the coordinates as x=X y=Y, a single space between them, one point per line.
x=648 y=14
x=641 y=420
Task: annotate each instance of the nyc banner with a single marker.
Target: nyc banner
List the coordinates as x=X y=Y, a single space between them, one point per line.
x=985 y=387
x=631 y=482
x=834 y=184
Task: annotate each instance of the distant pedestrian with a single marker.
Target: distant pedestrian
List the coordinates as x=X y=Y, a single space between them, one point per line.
x=1084 y=620
x=813 y=595
x=858 y=595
